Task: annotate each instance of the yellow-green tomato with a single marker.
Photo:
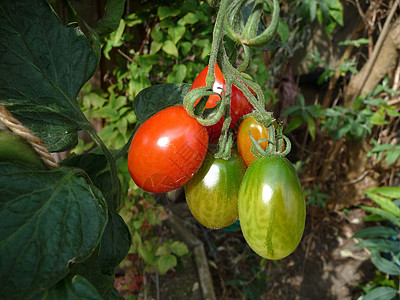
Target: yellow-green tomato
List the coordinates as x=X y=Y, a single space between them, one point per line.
x=271 y=206
x=212 y=194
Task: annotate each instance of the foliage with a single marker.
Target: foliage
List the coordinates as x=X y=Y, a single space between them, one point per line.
x=327 y=12
x=302 y=113
x=315 y=197
x=383 y=240
x=143 y=215
x=251 y=285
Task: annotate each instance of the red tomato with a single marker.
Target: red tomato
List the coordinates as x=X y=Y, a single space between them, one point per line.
x=167 y=150
x=240 y=106
x=258 y=131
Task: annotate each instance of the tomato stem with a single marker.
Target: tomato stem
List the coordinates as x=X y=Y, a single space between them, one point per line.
x=114 y=196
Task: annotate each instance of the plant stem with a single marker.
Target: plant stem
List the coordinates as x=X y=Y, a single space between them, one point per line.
x=218 y=34
x=113 y=167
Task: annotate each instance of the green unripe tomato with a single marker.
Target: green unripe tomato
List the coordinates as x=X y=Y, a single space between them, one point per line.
x=271 y=207
x=212 y=194
x=13 y=147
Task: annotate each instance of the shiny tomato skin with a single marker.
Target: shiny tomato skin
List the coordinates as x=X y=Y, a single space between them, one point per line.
x=212 y=194
x=258 y=131
x=271 y=207
x=167 y=150
x=240 y=106
x=244 y=143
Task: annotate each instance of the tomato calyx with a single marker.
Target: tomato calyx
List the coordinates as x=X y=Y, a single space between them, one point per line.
x=278 y=144
x=272 y=148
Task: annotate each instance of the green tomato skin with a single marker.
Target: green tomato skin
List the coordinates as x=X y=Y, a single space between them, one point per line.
x=272 y=210
x=212 y=194
x=13 y=147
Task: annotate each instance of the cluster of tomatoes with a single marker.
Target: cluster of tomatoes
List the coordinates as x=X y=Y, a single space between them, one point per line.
x=170 y=150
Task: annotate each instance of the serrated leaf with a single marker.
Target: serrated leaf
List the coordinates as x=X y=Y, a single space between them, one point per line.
x=165 y=263
x=48 y=219
x=170 y=48
x=147 y=102
x=76 y=287
x=384 y=265
x=110 y=21
x=44 y=65
x=380 y=293
x=376 y=231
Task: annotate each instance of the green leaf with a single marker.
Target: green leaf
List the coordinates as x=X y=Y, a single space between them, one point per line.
x=157 y=35
x=178 y=74
x=147 y=102
x=384 y=265
x=379 y=245
x=115 y=243
x=283 y=30
x=356 y=43
x=293 y=124
x=391 y=192
x=189 y=18
x=76 y=287
x=179 y=248
x=44 y=65
x=376 y=231
x=48 y=219
x=170 y=48
x=311 y=127
x=385 y=203
x=163 y=250
x=165 y=263
x=384 y=214
x=111 y=18
x=176 y=32
x=90 y=269
x=165 y=12
x=381 y=293
x=155 y=47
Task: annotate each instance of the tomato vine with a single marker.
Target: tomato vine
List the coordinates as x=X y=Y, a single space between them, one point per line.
x=230 y=22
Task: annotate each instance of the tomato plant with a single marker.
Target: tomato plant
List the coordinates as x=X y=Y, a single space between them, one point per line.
x=167 y=150
x=212 y=194
x=240 y=106
x=271 y=207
